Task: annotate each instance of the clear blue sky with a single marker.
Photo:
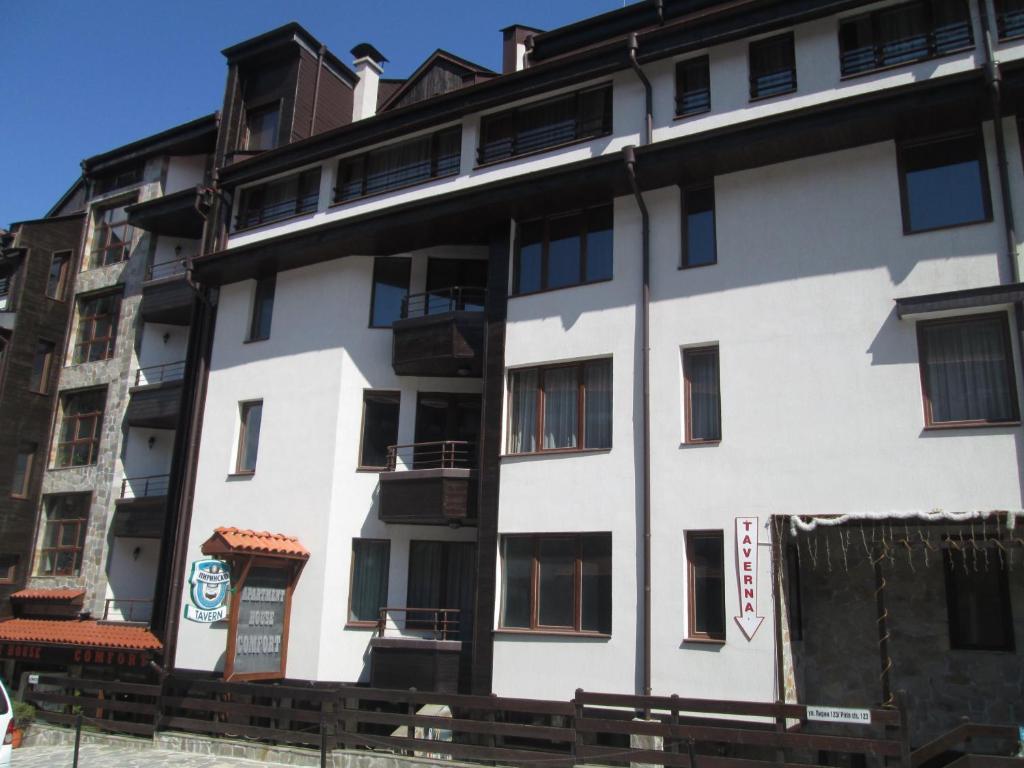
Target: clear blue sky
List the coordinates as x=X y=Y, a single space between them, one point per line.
x=78 y=78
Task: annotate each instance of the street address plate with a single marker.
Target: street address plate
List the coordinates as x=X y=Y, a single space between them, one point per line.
x=839 y=715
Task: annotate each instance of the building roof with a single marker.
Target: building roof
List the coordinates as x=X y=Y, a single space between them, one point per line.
x=246 y=542
x=194 y=137
x=470 y=72
x=70 y=593
x=87 y=633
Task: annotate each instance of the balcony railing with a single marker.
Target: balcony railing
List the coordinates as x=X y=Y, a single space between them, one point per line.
x=165 y=269
x=160 y=374
x=443 y=454
x=452 y=299
x=441 y=623
x=145 y=487
x=121 y=609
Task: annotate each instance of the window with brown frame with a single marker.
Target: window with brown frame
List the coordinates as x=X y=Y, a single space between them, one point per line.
x=78 y=440
x=380 y=428
x=564 y=407
x=42 y=365
x=97 y=327
x=967 y=375
x=23 y=463
x=262 y=309
x=64 y=530
x=693 y=86
x=564 y=250
x=772 y=66
x=368 y=585
x=557 y=583
x=943 y=183
x=390 y=290
x=9 y=568
x=705 y=586
x=262 y=127
x=702 y=395
x=1010 y=18
x=111 y=236
x=117 y=179
x=978 y=602
x=699 y=241
x=57 y=281
x=279 y=199
x=251 y=415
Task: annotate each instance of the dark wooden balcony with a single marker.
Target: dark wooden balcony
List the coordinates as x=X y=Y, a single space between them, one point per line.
x=179 y=214
x=420 y=650
x=440 y=333
x=156 y=396
x=139 y=510
x=166 y=295
x=429 y=484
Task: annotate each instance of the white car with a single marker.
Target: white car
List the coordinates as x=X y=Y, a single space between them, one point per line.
x=6 y=726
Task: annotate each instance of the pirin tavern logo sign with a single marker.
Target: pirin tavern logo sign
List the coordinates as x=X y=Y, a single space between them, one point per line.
x=210 y=584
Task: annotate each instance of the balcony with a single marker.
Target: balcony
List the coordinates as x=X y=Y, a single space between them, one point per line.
x=180 y=214
x=156 y=396
x=166 y=295
x=141 y=507
x=440 y=333
x=429 y=484
x=423 y=650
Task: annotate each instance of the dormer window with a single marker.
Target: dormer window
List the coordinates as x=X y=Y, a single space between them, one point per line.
x=262 y=126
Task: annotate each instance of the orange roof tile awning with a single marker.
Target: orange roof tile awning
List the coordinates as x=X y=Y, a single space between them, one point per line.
x=70 y=594
x=239 y=541
x=91 y=634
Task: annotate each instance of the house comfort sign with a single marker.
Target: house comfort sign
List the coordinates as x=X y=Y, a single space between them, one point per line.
x=261 y=622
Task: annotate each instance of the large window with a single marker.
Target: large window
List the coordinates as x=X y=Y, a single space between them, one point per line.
x=262 y=126
x=967 y=371
x=368 y=590
x=400 y=165
x=693 y=86
x=279 y=199
x=1010 y=18
x=64 y=534
x=380 y=428
x=978 y=602
x=442 y=576
x=251 y=417
x=699 y=243
x=57 y=281
x=111 y=236
x=23 y=463
x=390 y=289
x=772 y=66
x=904 y=33
x=78 y=440
x=702 y=397
x=560 y=583
x=97 y=327
x=42 y=365
x=262 y=309
x=581 y=115
x=705 y=586
x=944 y=183
x=561 y=407
x=564 y=250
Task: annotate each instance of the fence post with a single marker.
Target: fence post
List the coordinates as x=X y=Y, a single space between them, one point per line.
x=323 y=737
x=672 y=743
x=78 y=738
x=901 y=707
x=577 y=715
x=410 y=729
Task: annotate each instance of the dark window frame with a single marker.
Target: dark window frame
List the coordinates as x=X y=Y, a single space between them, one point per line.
x=381 y=260
x=692 y=634
x=85 y=344
x=682 y=71
x=60 y=293
x=101 y=245
x=253 y=212
x=683 y=193
x=265 y=290
x=581 y=400
x=956 y=643
x=689 y=353
x=80 y=525
x=922 y=355
x=22 y=492
x=365 y=623
x=1001 y=24
x=535 y=626
x=264 y=108
x=545 y=244
x=764 y=42
x=43 y=387
x=380 y=393
x=9 y=573
x=244 y=408
x=92 y=441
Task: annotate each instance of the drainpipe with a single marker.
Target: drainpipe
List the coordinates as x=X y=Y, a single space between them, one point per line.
x=316 y=88
x=659 y=7
x=648 y=94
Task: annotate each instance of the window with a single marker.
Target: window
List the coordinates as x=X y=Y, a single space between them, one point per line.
x=368 y=591
x=703 y=401
x=261 y=127
x=1010 y=18
x=576 y=116
x=123 y=177
x=558 y=582
x=7 y=290
x=23 y=463
x=111 y=236
x=978 y=602
x=64 y=534
x=42 y=364
x=280 y=199
x=705 y=586
x=902 y=34
x=967 y=371
x=699 y=242
x=249 y=436
x=772 y=66
x=9 y=568
x=97 y=327
x=545 y=407
x=57 y=282
x=400 y=165
x=442 y=575
x=693 y=86
x=380 y=428
x=78 y=441
x=390 y=289
x=564 y=250
x=262 y=309
x=944 y=183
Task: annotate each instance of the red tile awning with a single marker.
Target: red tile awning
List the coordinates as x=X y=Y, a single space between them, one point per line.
x=239 y=541
x=69 y=594
x=91 y=634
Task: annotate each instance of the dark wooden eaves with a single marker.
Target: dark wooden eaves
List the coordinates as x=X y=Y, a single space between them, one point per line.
x=970 y=298
x=192 y=138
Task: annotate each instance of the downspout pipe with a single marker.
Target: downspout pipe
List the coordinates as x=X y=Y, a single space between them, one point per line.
x=648 y=136
x=316 y=88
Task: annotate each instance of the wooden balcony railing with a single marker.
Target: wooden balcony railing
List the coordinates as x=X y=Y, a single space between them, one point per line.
x=454 y=298
x=443 y=454
x=442 y=623
x=160 y=374
x=145 y=487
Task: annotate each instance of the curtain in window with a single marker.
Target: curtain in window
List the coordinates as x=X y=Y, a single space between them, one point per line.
x=516 y=578
x=705 y=410
x=597 y=381
x=967 y=372
x=459 y=586
x=369 y=579
x=523 y=429
x=561 y=418
x=904 y=34
x=425 y=571
x=552 y=122
x=406 y=163
x=557 y=559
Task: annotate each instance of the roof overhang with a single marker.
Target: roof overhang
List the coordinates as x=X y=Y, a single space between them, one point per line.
x=227 y=542
x=174 y=215
x=953 y=301
x=192 y=138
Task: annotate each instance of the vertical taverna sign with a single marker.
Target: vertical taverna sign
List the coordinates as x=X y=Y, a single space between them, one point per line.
x=746 y=575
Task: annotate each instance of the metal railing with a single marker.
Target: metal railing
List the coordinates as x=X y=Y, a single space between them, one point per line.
x=438 y=621
x=145 y=487
x=443 y=454
x=171 y=268
x=123 y=609
x=160 y=374
x=441 y=300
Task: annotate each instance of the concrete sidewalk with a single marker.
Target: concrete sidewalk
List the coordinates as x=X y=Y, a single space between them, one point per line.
x=111 y=756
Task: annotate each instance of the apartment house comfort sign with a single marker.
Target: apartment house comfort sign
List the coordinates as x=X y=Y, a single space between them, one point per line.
x=261 y=622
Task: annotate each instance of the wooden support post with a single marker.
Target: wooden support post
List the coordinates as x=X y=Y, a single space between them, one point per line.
x=883 y=629
x=672 y=742
x=577 y=715
x=904 y=726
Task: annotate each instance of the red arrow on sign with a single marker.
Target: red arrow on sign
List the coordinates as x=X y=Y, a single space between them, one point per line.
x=746 y=566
